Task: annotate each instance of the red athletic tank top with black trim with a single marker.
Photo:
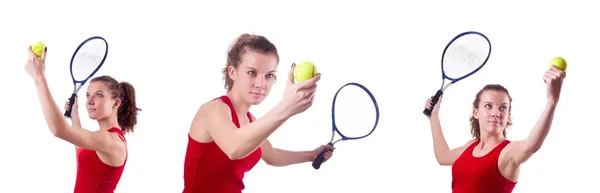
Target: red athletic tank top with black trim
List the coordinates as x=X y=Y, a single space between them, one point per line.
x=94 y=176
x=472 y=174
x=208 y=169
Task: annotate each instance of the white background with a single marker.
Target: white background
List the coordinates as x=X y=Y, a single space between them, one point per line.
x=172 y=53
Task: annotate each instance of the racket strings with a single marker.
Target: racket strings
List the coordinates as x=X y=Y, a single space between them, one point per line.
x=465 y=55
x=84 y=64
x=354 y=112
x=87 y=59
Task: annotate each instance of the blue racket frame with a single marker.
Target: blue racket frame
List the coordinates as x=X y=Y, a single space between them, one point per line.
x=440 y=92
x=444 y=76
x=320 y=159
x=82 y=82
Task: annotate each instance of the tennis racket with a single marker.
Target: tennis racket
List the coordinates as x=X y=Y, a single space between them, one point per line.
x=85 y=62
x=464 y=55
x=355 y=110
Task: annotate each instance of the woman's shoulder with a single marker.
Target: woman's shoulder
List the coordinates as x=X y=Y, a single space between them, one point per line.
x=471 y=142
x=212 y=107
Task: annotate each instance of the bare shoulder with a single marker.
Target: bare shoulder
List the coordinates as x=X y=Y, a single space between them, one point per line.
x=510 y=147
x=118 y=142
x=214 y=110
x=470 y=142
x=510 y=160
x=513 y=144
x=459 y=150
x=210 y=108
x=115 y=148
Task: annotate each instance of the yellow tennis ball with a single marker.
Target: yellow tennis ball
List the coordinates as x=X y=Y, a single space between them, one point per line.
x=560 y=63
x=304 y=71
x=38 y=48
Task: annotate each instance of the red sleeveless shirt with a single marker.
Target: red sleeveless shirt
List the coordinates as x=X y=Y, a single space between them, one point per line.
x=472 y=174
x=94 y=176
x=208 y=169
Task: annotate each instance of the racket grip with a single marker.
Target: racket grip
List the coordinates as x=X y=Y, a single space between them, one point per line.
x=434 y=101
x=71 y=101
x=320 y=159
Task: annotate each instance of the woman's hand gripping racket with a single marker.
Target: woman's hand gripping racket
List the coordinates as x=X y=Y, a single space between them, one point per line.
x=464 y=55
x=355 y=111
x=85 y=62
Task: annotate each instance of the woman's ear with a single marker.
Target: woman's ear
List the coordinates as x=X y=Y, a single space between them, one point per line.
x=117 y=103
x=231 y=72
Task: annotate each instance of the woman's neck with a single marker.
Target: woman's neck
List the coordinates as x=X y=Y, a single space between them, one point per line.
x=107 y=123
x=490 y=140
x=239 y=104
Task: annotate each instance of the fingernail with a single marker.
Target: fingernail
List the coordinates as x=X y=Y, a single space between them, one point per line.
x=45 y=49
x=293 y=65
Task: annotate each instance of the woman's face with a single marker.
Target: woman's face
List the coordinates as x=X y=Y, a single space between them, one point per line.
x=493 y=112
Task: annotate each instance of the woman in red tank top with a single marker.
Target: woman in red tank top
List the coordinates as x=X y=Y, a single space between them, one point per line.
x=490 y=163
x=101 y=155
x=225 y=140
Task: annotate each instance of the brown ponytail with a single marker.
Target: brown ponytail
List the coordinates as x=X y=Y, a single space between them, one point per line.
x=127 y=113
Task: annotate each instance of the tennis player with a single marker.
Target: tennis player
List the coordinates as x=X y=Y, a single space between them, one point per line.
x=490 y=163
x=101 y=155
x=225 y=140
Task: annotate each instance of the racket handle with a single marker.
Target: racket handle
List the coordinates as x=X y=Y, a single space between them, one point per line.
x=71 y=101
x=320 y=159
x=434 y=101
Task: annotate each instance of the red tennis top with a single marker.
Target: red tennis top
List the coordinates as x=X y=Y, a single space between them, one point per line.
x=208 y=169
x=95 y=176
x=472 y=174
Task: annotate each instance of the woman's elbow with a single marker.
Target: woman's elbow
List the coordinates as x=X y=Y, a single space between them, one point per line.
x=440 y=162
x=231 y=153
x=443 y=162
x=58 y=128
x=57 y=132
x=269 y=162
x=236 y=153
x=235 y=149
x=233 y=157
x=273 y=162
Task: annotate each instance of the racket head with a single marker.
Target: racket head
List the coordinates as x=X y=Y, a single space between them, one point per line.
x=350 y=103
x=85 y=62
x=88 y=58
x=464 y=55
x=366 y=100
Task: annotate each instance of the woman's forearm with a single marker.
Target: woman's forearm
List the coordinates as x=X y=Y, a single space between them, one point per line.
x=75 y=121
x=440 y=146
x=539 y=132
x=286 y=157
